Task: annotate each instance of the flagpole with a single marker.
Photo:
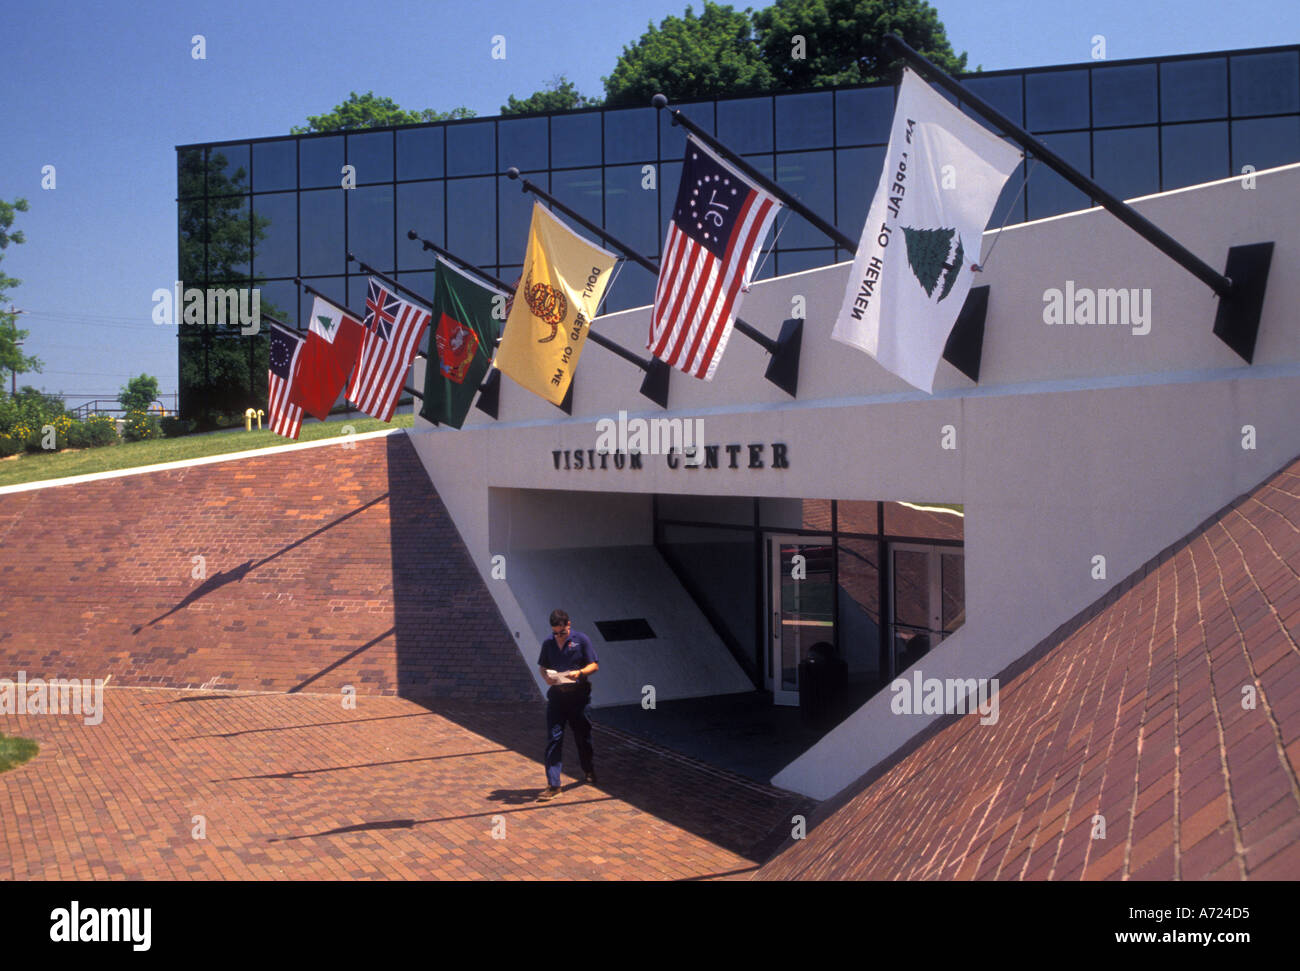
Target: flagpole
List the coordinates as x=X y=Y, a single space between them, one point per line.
x=655 y=385
x=451 y=257
x=660 y=101
x=367 y=268
x=1126 y=214
x=781 y=350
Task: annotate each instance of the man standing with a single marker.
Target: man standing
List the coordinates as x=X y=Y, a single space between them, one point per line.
x=566 y=660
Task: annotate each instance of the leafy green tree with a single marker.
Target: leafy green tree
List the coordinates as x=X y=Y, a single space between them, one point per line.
x=843 y=40
x=707 y=56
x=368 y=111
x=139 y=393
x=560 y=94
x=11 y=357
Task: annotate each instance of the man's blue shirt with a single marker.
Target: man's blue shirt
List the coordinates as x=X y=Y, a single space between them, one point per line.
x=577 y=653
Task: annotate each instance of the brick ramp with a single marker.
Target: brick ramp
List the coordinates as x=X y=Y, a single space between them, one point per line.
x=1132 y=711
x=324 y=567
x=181 y=785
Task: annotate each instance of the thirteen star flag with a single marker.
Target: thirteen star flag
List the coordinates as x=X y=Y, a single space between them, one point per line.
x=394 y=328
x=718 y=224
x=331 y=349
x=563 y=280
x=286 y=346
x=942 y=176
x=467 y=317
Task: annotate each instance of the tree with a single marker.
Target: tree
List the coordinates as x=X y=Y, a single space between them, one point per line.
x=139 y=393
x=11 y=357
x=843 y=40
x=709 y=56
x=368 y=111
x=560 y=94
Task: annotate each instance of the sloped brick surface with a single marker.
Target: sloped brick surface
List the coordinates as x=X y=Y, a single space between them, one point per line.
x=181 y=785
x=320 y=568
x=1170 y=711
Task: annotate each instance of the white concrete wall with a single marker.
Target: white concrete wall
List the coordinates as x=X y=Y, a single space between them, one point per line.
x=1077 y=441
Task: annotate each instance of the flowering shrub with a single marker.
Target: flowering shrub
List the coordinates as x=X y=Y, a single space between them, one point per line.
x=140 y=426
x=95 y=430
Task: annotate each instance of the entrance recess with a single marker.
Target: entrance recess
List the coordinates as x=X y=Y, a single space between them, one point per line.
x=800 y=599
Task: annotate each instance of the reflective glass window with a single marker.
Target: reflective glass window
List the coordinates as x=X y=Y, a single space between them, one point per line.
x=805 y=120
x=471 y=148
x=1010 y=207
x=857 y=173
x=580 y=190
x=1048 y=193
x=419 y=207
x=1265 y=84
x=1127 y=161
x=1192 y=154
x=324 y=247
x=575 y=139
x=419 y=153
x=192 y=233
x=228 y=170
x=672 y=138
x=320 y=163
x=275 y=165
x=1056 y=99
x=515 y=215
x=370 y=225
x=472 y=219
x=863 y=116
x=810 y=177
x=633 y=212
x=1193 y=89
x=229 y=246
x=522 y=143
x=630 y=135
x=1124 y=95
x=635 y=287
x=746 y=126
x=670 y=177
x=276 y=252
x=1004 y=93
x=279 y=299
x=1265 y=142
x=929 y=522
x=190 y=173
x=371 y=155
x=858 y=622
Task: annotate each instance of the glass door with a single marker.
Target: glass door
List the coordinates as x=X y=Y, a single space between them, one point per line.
x=799 y=601
x=928 y=599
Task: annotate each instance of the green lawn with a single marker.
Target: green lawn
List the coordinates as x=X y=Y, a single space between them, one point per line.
x=34 y=467
x=15 y=751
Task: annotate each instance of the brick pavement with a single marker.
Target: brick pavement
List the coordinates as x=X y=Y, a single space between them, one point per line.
x=294 y=786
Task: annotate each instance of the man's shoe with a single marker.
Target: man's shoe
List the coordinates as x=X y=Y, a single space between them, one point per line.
x=591 y=778
x=549 y=793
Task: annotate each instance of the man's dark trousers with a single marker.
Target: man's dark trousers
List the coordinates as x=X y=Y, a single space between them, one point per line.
x=571 y=705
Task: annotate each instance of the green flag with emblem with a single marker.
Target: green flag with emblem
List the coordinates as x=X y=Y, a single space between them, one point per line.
x=467 y=320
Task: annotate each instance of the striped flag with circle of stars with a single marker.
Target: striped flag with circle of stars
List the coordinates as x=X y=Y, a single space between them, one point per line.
x=719 y=222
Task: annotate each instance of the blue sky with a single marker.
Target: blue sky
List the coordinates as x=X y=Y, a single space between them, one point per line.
x=105 y=91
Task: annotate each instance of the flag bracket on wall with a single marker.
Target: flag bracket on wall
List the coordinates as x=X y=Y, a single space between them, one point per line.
x=489 y=394
x=1236 y=322
x=783 y=369
x=965 y=347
